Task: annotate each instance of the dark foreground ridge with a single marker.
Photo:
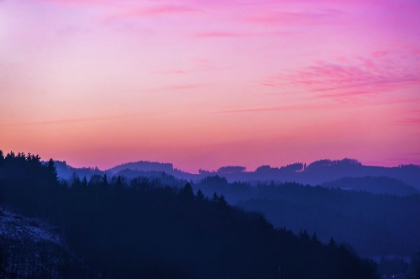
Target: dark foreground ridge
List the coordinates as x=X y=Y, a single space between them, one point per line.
x=140 y=228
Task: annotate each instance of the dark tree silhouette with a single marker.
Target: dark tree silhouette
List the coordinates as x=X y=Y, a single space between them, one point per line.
x=142 y=228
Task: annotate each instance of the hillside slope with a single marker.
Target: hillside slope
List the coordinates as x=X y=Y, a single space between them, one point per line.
x=31 y=248
x=376 y=185
x=141 y=228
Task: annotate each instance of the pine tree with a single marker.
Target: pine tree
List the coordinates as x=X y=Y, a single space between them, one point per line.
x=200 y=195
x=52 y=171
x=187 y=192
x=314 y=238
x=332 y=243
x=222 y=201
x=215 y=198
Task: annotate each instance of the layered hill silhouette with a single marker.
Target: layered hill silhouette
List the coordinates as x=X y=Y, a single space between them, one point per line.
x=376 y=185
x=142 y=228
x=376 y=215
x=403 y=180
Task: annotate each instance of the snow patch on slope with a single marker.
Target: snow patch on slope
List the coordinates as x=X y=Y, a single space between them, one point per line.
x=14 y=226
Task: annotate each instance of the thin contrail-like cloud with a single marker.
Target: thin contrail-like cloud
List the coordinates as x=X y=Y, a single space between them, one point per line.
x=72 y=120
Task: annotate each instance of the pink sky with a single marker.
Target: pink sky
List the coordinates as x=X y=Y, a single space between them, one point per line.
x=203 y=83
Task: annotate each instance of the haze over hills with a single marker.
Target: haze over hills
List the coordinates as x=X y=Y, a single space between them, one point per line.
x=320 y=172
x=144 y=228
x=376 y=185
x=143 y=166
x=368 y=207
x=373 y=223
x=210 y=139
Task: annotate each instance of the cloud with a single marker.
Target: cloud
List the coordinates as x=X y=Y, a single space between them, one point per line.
x=178 y=87
x=72 y=120
x=380 y=53
x=154 y=11
x=281 y=108
x=82 y=3
x=122 y=10
x=321 y=106
x=219 y=35
x=349 y=78
x=251 y=12
x=170 y=72
x=234 y=35
x=294 y=18
x=415 y=121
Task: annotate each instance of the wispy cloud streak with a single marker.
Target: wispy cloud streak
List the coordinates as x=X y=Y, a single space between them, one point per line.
x=71 y=120
x=170 y=72
x=155 y=11
x=281 y=108
x=276 y=18
x=411 y=121
x=347 y=79
x=220 y=35
x=178 y=87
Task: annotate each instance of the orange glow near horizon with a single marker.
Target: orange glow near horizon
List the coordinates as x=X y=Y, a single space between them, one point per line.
x=204 y=84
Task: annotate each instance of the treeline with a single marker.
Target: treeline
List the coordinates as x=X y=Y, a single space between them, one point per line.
x=374 y=185
x=374 y=225
x=141 y=228
x=25 y=258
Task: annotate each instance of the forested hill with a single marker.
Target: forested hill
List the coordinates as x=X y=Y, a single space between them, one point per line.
x=323 y=171
x=374 y=225
x=144 y=229
x=376 y=185
x=315 y=173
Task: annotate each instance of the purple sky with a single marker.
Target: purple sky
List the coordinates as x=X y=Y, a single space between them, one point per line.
x=205 y=83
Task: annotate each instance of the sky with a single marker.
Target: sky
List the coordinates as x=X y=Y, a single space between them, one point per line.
x=204 y=84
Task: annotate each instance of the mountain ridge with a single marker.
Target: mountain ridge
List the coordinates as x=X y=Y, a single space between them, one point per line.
x=315 y=173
